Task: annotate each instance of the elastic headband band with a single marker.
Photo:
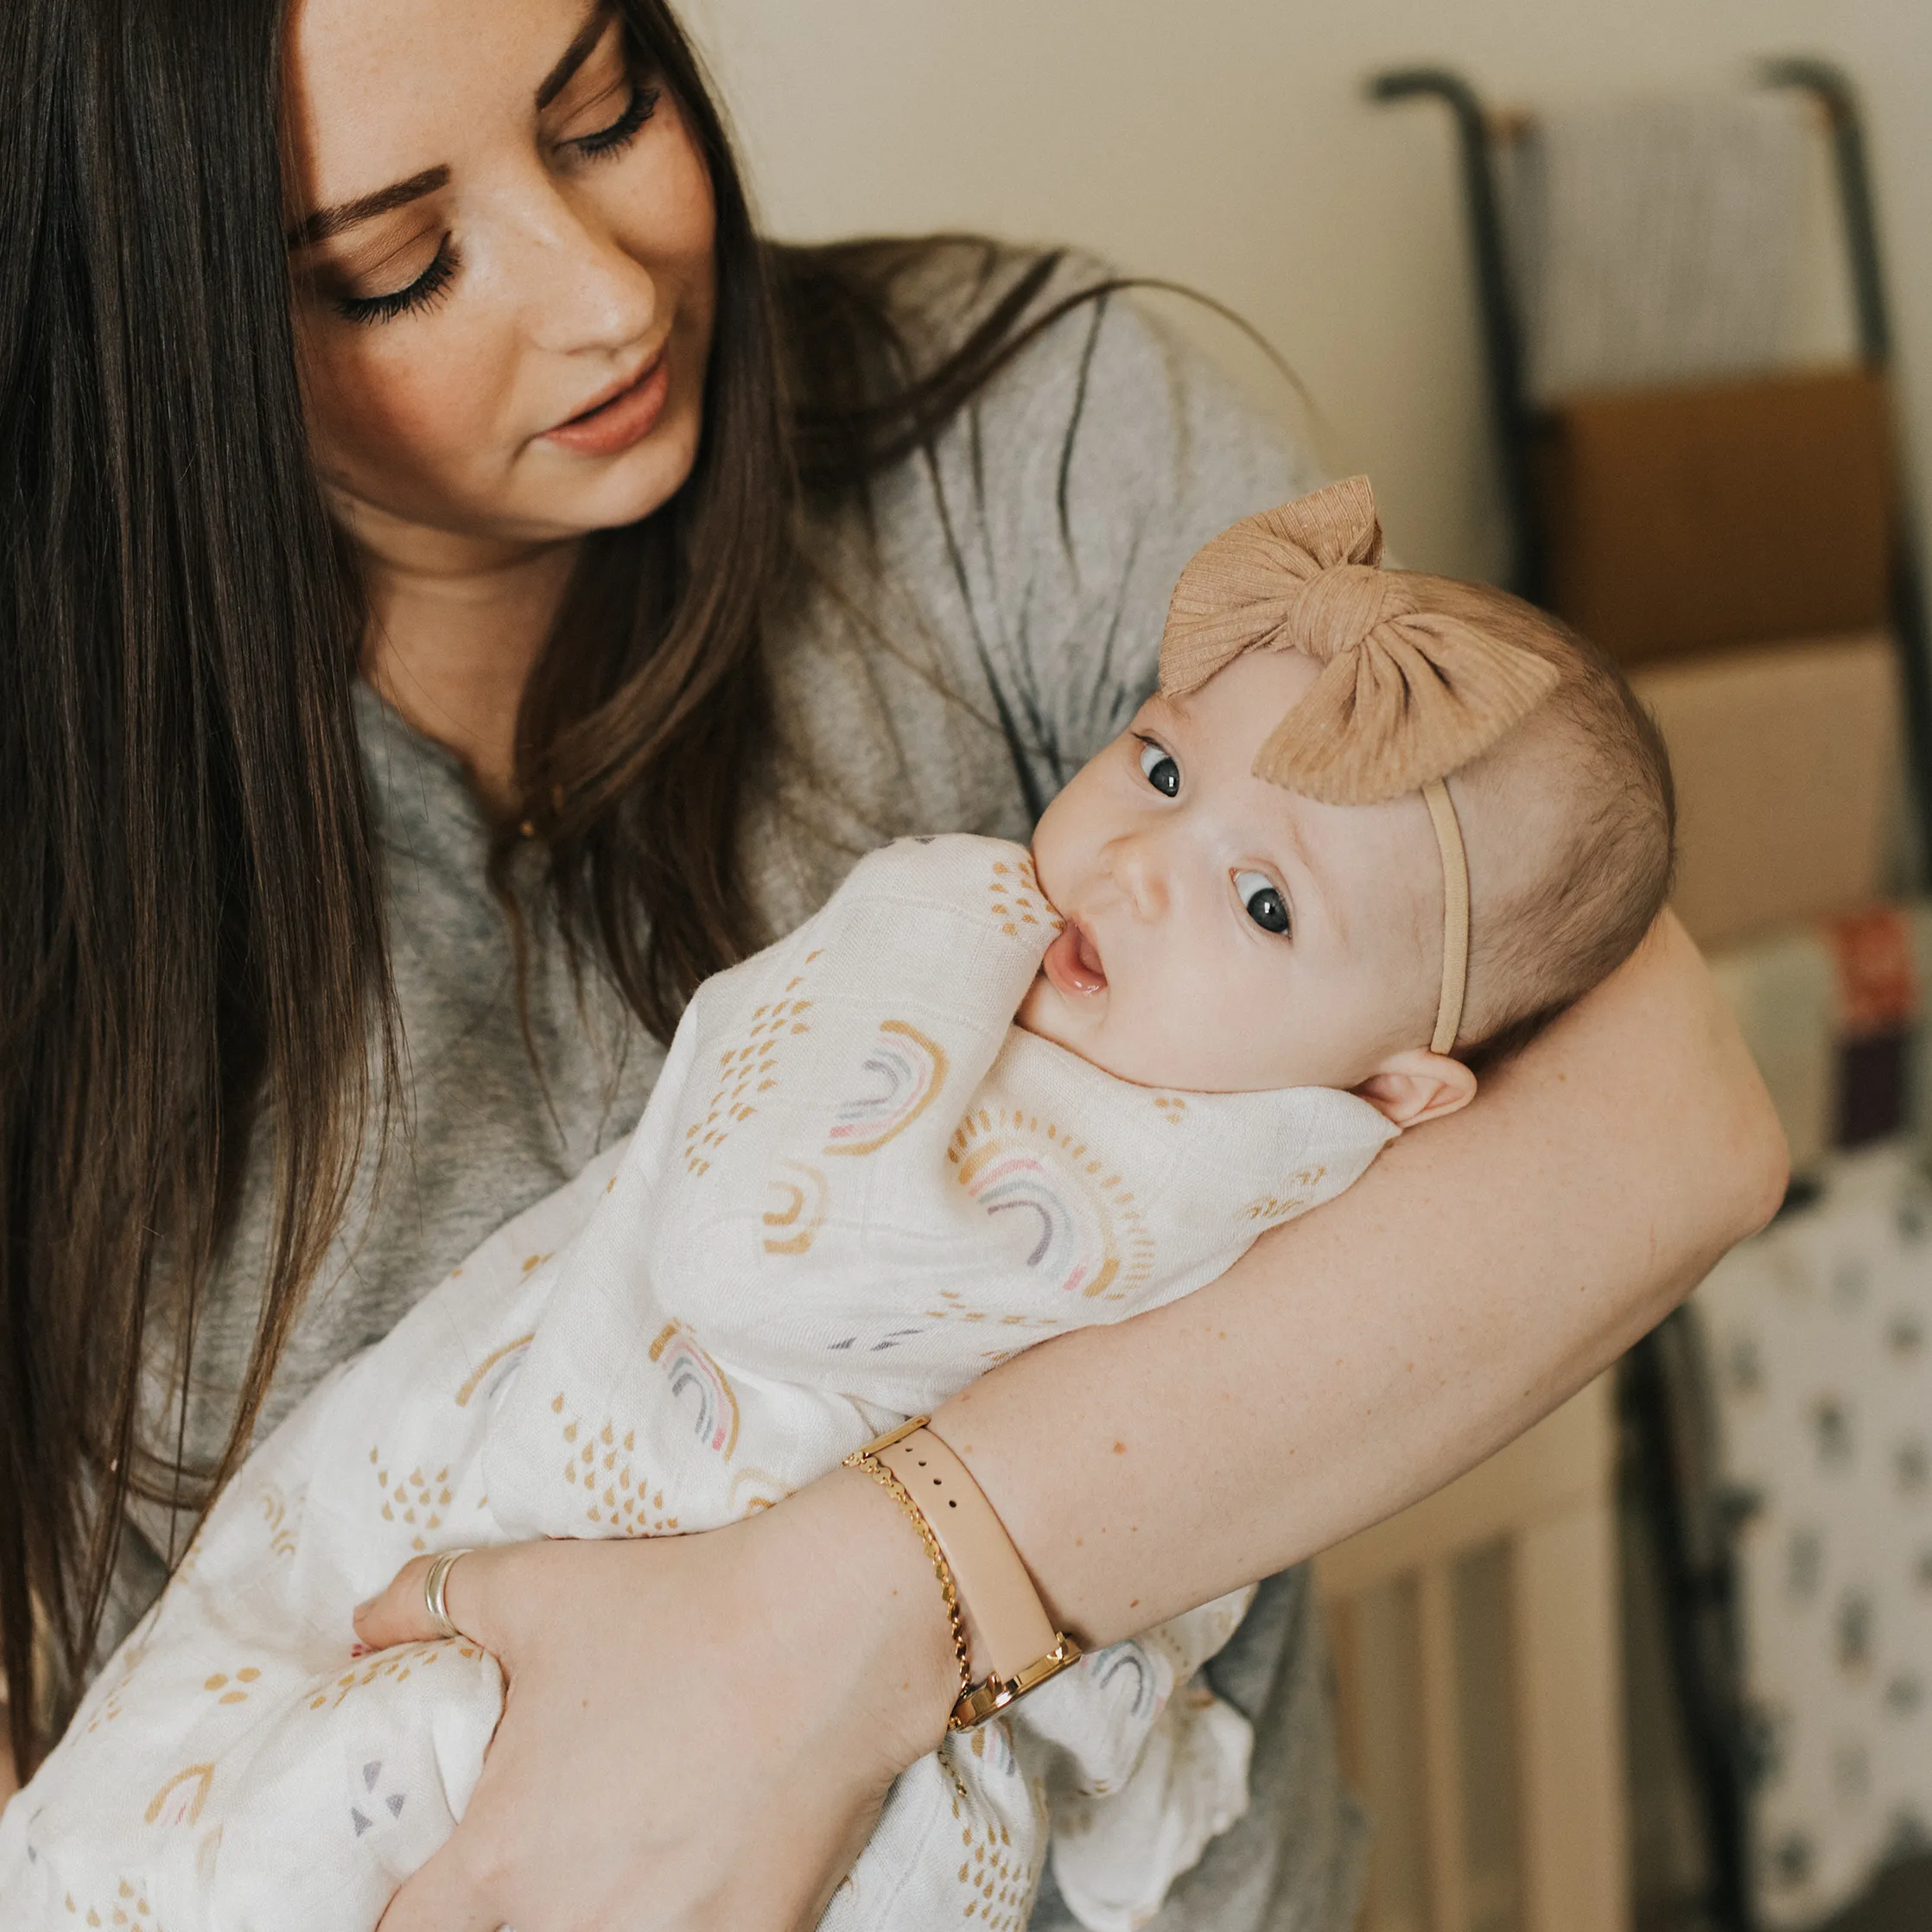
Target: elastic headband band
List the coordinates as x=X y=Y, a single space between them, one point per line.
x=1455 y=915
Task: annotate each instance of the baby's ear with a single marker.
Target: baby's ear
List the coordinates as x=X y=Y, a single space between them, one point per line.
x=1418 y=1085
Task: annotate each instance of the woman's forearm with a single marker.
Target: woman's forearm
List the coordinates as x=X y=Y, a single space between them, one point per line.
x=1484 y=1270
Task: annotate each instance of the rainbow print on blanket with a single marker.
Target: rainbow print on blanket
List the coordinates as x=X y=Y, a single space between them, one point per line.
x=906 y=1070
x=694 y=1376
x=1081 y=1226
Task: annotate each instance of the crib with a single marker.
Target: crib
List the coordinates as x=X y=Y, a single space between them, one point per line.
x=1478 y=1690
x=1480 y=1661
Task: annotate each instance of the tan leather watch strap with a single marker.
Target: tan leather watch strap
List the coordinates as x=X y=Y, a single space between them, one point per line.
x=1019 y=1648
x=1012 y=1627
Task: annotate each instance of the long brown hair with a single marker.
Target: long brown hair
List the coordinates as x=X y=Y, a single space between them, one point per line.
x=192 y=945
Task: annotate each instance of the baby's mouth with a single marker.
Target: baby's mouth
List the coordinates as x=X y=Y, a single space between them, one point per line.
x=1072 y=962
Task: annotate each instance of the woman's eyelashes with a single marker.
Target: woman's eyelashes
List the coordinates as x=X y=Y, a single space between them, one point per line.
x=623 y=129
x=1263 y=901
x=420 y=294
x=1159 y=768
x=434 y=280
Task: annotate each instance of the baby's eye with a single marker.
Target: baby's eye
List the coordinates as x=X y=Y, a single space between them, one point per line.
x=1160 y=769
x=1264 y=900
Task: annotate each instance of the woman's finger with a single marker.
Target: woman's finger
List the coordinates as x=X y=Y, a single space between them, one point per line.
x=441 y=1898
x=400 y=1613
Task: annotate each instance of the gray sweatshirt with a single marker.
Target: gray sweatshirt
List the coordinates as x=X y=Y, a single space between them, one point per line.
x=947 y=671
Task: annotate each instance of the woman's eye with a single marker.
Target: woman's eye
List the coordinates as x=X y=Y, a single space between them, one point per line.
x=1159 y=768
x=420 y=294
x=1263 y=901
x=623 y=129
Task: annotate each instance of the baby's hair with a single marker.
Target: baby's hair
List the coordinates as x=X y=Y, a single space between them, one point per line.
x=1541 y=946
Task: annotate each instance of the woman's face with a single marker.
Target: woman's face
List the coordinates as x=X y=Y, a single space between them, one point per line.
x=503 y=270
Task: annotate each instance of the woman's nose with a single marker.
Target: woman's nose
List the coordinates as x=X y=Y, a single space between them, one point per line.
x=586 y=291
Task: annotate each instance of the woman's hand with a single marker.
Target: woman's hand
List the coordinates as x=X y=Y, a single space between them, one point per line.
x=699 y=1730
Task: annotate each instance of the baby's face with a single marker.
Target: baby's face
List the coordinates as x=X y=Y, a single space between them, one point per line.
x=1222 y=934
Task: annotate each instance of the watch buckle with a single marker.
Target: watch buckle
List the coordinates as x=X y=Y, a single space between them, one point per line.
x=985 y=1700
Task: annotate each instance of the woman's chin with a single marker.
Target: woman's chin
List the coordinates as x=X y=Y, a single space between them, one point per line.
x=575 y=494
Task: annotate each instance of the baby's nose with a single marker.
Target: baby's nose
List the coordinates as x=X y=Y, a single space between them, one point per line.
x=1142 y=877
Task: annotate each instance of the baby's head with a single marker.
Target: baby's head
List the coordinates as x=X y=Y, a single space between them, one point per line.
x=1258 y=885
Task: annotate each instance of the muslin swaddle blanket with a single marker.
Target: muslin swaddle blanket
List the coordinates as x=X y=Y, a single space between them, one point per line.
x=856 y=1187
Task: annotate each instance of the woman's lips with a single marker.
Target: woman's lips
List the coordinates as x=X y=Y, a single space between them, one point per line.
x=1072 y=962
x=626 y=418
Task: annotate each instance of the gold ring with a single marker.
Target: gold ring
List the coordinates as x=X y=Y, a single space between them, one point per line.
x=435 y=1584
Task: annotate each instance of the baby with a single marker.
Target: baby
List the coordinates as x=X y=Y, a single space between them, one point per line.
x=978 y=1099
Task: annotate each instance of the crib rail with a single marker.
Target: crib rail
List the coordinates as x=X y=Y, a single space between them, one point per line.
x=1479 y=1691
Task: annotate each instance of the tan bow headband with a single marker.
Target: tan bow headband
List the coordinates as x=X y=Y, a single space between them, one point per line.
x=1405 y=698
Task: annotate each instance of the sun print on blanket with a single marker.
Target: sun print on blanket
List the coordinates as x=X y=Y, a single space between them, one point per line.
x=1297 y=1195
x=394 y=1666
x=129 y=1907
x=954 y=1306
x=415 y=1500
x=1082 y=1229
x=1016 y=900
x=112 y=1699
x=998 y=1880
x=617 y=1499
x=748 y=1070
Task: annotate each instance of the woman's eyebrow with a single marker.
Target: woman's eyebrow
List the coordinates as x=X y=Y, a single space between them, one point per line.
x=576 y=54
x=325 y=222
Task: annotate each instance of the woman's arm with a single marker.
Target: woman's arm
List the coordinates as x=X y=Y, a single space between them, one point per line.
x=1481 y=1272
x=699 y=1730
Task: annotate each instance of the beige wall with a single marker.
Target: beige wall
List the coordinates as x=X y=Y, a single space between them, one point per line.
x=1226 y=143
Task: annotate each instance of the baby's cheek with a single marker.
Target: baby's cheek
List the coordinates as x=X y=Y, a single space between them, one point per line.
x=1184 y=1032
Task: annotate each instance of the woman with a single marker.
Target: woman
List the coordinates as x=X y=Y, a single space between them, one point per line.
x=432 y=343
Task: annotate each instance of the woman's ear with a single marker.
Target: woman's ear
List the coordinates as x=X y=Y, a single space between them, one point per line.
x=1418 y=1085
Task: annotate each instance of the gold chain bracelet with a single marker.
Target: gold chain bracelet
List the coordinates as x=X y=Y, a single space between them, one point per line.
x=861 y=1459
